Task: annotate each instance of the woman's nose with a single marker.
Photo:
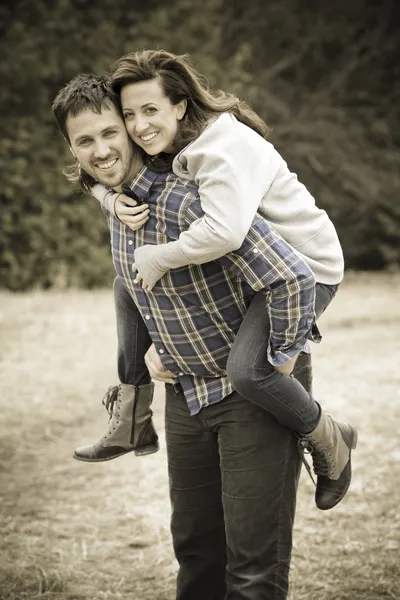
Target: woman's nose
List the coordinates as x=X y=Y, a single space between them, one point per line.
x=141 y=124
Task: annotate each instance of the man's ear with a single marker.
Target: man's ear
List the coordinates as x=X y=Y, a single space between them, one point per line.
x=181 y=109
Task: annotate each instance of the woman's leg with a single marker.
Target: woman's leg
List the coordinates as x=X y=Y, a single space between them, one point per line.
x=133 y=338
x=251 y=374
x=130 y=427
x=256 y=379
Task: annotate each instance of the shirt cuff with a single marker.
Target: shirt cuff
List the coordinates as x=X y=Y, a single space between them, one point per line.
x=277 y=358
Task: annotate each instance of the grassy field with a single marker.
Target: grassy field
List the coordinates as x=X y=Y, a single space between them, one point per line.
x=75 y=531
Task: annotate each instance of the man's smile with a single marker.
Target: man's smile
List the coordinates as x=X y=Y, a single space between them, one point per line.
x=106 y=165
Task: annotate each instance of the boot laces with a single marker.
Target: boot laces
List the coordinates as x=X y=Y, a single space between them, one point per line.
x=322 y=459
x=303 y=448
x=111 y=401
x=321 y=466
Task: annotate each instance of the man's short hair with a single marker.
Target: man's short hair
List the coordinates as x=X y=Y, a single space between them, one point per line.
x=83 y=92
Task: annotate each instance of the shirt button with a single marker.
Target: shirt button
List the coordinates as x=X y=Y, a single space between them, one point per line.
x=147 y=317
x=161 y=351
x=130 y=242
x=255 y=250
x=181 y=374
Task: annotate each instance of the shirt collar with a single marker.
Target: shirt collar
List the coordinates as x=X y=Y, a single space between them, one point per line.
x=142 y=183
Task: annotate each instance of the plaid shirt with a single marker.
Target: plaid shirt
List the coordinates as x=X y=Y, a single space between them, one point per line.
x=193 y=313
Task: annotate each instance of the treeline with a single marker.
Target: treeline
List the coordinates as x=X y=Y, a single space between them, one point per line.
x=325 y=76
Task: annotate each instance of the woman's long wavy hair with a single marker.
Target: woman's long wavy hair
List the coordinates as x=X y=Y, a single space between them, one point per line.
x=180 y=81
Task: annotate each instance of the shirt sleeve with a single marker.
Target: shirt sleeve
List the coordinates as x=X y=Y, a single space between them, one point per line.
x=268 y=263
x=292 y=314
x=106 y=197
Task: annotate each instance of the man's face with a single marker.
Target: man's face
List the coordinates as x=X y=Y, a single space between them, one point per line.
x=101 y=144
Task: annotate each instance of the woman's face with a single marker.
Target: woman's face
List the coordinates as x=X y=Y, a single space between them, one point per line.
x=150 y=118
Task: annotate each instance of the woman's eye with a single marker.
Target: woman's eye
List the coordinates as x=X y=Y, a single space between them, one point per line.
x=128 y=116
x=150 y=110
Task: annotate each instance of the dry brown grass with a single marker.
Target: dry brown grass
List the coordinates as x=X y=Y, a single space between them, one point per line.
x=73 y=531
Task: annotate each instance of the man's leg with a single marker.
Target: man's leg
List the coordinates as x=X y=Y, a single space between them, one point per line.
x=130 y=427
x=197 y=523
x=260 y=468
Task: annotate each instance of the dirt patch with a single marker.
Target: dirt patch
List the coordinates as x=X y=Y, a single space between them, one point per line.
x=77 y=531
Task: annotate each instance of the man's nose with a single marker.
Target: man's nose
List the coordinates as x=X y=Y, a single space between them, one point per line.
x=102 y=149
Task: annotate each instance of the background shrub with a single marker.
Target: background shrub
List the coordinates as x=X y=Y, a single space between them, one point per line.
x=325 y=76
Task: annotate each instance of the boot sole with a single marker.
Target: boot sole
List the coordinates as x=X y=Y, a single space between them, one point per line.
x=138 y=452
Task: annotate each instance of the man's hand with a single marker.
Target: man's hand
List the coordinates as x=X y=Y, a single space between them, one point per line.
x=156 y=368
x=288 y=367
x=131 y=213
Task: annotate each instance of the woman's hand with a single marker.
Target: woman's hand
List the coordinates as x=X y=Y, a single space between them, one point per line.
x=131 y=213
x=148 y=268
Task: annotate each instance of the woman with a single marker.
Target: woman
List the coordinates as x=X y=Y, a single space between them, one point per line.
x=218 y=142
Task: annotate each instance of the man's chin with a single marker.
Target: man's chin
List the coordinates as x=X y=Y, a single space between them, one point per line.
x=111 y=180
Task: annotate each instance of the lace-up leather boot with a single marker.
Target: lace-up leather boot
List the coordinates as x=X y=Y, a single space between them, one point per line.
x=130 y=427
x=330 y=445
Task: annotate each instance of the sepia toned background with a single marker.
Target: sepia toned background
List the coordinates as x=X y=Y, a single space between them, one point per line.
x=326 y=78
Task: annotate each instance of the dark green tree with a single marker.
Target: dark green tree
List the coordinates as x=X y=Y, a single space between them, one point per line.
x=323 y=75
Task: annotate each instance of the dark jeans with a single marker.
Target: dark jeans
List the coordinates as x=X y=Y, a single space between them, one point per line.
x=233 y=473
x=133 y=338
x=255 y=378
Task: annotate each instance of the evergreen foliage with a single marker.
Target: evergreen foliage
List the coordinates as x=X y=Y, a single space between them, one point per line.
x=325 y=76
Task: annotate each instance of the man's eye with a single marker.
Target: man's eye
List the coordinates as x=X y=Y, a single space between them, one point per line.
x=110 y=133
x=84 y=142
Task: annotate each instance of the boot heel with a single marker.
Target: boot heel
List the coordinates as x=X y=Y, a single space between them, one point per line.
x=349 y=434
x=147 y=449
x=355 y=439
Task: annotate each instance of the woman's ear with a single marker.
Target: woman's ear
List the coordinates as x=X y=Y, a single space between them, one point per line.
x=181 y=109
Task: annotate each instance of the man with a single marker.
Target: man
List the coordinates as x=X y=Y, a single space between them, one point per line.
x=233 y=469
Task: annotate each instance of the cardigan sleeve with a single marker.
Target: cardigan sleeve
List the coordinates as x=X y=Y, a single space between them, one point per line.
x=106 y=197
x=233 y=167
